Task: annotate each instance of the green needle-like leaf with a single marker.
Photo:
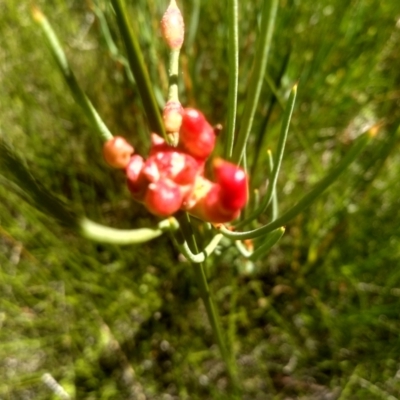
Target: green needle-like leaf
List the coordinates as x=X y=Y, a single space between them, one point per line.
x=270 y=239
x=80 y=97
x=13 y=169
x=104 y=234
x=257 y=76
x=202 y=255
x=138 y=68
x=307 y=200
x=233 y=53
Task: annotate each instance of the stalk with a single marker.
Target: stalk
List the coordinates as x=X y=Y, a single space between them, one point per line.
x=257 y=77
x=233 y=53
x=212 y=313
x=61 y=59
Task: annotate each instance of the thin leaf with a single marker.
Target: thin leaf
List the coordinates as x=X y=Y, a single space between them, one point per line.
x=308 y=199
x=139 y=69
x=233 y=53
x=257 y=76
x=104 y=234
x=13 y=169
x=80 y=97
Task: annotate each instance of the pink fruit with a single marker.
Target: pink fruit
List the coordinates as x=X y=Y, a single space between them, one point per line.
x=233 y=183
x=163 y=198
x=196 y=135
x=117 y=152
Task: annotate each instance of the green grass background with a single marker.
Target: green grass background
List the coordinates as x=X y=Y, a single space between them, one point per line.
x=318 y=318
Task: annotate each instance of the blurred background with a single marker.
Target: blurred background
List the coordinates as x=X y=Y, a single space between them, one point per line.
x=318 y=318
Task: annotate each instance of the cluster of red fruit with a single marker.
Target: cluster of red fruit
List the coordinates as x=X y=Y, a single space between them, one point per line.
x=172 y=178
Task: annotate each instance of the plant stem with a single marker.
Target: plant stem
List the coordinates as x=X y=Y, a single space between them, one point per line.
x=104 y=234
x=184 y=248
x=63 y=65
x=212 y=313
x=173 y=75
x=257 y=77
x=233 y=52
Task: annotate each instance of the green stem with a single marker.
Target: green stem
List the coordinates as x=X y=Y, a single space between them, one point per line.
x=139 y=69
x=274 y=205
x=307 y=200
x=173 y=75
x=300 y=136
x=111 y=46
x=201 y=256
x=257 y=77
x=233 y=53
x=270 y=239
x=212 y=313
x=242 y=249
x=62 y=63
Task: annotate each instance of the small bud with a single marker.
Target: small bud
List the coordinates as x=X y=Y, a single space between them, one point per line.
x=117 y=152
x=172 y=116
x=163 y=198
x=196 y=135
x=173 y=27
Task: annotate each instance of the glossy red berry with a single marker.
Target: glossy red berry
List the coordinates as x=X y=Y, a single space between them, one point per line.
x=196 y=136
x=233 y=183
x=163 y=198
x=117 y=152
x=205 y=204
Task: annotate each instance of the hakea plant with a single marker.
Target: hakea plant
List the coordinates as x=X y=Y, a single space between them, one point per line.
x=171 y=181
x=172 y=178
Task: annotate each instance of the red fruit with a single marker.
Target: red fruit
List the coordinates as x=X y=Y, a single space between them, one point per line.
x=158 y=144
x=196 y=135
x=173 y=165
x=204 y=203
x=117 y=152
x=190 y=168
x=233 y=183
x=214 y=210
x=135 y=179
x=163 y=198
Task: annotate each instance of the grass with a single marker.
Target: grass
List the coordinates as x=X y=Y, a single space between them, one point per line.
x=318 y=316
